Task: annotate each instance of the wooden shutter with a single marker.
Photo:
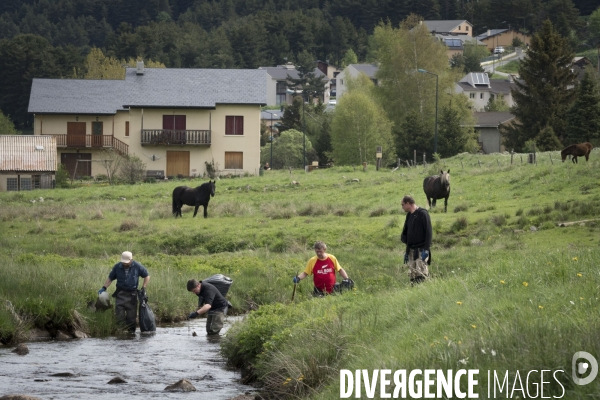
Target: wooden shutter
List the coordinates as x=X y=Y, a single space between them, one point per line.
x=239 y=125
x=126 y=128
x=234 y=160
x=234 y=125
x=76 y=134
x=180 y=122
x=168 y=122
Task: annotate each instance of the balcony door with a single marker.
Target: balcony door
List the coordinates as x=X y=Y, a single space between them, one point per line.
x=174 y=128
x=75 y=134
x=97 y=133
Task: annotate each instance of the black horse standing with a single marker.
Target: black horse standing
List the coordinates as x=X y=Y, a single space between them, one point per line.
x=193 y=197
x=437 y=187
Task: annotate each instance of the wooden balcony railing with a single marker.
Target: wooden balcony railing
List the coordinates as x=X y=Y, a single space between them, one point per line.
x=169 y=137
x=91 y=142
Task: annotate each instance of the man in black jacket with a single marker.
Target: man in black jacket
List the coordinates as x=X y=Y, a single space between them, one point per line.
x=210 y=301
x=416 y=234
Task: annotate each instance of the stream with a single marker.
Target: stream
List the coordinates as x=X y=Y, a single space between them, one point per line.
x=147 y=362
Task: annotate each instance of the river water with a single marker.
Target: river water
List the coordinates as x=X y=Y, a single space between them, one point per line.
x=148 y=363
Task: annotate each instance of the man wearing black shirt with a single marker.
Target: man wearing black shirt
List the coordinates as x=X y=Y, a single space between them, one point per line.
x=210 y=301
x=416 y=234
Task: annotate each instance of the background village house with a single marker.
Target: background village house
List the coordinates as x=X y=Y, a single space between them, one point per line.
x=353 y=70
x=27 y=162
x=480 y=89
x=175 y=120
x=487 y=127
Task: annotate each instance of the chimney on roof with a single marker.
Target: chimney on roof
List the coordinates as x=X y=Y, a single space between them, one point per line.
x=140 y=68
x=489 y=32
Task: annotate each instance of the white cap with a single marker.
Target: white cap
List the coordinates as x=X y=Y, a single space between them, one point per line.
x=126 y=257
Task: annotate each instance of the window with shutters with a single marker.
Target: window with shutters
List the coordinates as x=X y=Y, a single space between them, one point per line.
x=234 y=125
x=471 y=95
x=234 y=160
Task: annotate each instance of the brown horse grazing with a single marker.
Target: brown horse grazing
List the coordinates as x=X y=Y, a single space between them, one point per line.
x=437 y=187
x=577 y=150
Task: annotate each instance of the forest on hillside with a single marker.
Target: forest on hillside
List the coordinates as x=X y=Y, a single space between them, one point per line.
x=51 y=38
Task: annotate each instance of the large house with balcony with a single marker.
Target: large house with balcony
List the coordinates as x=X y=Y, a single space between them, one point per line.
x=175 y=120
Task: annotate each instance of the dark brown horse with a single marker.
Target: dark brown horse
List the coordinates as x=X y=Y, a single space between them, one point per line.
x=437 y=187
x=193 y=197
x=577 y=150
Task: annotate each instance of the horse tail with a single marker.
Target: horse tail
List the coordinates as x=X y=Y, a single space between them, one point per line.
x=175 y=200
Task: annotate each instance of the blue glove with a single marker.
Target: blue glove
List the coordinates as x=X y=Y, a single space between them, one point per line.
x=101 y=290
x=424 y=254
x=193 y=315
x=296 y=279
x=405 y=258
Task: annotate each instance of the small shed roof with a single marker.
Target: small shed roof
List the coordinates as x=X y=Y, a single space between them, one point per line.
x=27 y=153
x=492 y=118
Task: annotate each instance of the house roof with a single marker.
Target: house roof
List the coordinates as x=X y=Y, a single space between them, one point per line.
x=444 y=26
x=476 y=79
x=490 y=32
x=492 y=118
x=195 y=88
x=157 y=87
x=501 y=86
x=76 y=96
x=27 y=153
x=281 y=72
x=368 y=69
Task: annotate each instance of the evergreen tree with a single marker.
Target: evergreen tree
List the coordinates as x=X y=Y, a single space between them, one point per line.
x=452 y=137
x=583 y=118
x=292 y=116
x=312 y=86
x=415 y=133
x=543 y=96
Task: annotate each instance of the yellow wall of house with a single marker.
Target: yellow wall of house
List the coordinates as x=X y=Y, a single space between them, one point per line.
x=155 y=156
x=505 y=39
x=463 y=28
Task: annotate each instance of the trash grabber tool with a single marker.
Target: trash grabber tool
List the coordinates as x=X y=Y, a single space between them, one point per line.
x=294 y=292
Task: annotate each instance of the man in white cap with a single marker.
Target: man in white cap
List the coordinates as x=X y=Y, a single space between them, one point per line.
x=127 y=273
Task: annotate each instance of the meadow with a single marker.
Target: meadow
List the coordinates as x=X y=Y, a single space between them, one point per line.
x=510 y=289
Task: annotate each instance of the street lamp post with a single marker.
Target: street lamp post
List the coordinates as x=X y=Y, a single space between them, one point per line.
x=436 y=107
x=303 y=133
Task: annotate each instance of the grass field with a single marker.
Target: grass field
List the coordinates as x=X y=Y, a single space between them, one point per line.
x=510 y=290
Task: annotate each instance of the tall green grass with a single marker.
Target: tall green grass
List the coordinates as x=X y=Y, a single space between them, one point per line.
x=501 y=225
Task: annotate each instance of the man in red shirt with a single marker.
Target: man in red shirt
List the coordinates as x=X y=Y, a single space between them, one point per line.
x=323 y=267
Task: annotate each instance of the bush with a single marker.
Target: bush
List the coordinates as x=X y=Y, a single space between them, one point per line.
x=459 y=225
x=132 y=170
x=62 y=177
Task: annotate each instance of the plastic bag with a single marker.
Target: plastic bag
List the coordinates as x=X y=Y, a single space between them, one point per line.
x=146 y=316
x=103 y=302
x=221 y=282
